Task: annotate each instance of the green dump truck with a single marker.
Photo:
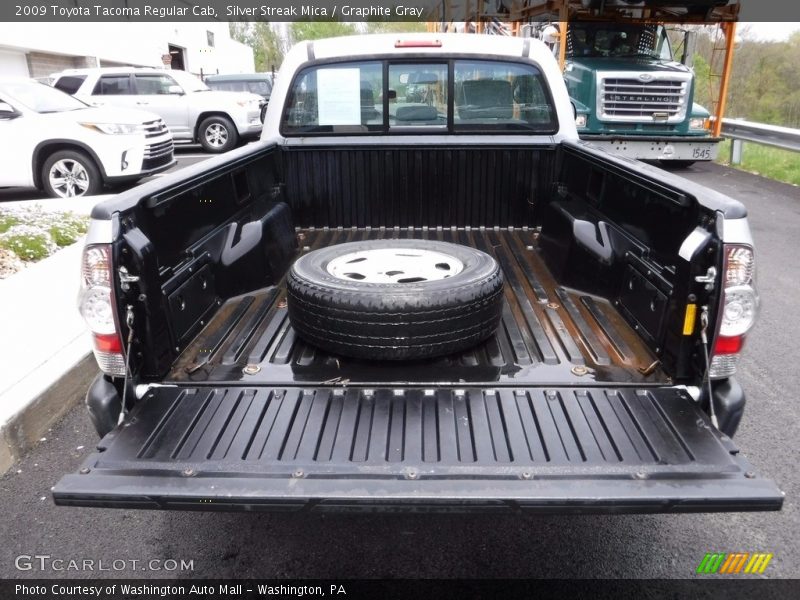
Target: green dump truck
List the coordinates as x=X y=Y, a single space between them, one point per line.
x=632 y=95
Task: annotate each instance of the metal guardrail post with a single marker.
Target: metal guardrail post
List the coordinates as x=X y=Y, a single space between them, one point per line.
x=737 y=146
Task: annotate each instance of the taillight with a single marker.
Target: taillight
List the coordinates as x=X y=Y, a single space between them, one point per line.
x=738 y=309
x=97 y=306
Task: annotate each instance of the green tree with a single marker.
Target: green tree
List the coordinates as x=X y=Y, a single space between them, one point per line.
x=315 y=30
x=395 y=26
x=702 y=86
x=765 y=79
x=268 y=46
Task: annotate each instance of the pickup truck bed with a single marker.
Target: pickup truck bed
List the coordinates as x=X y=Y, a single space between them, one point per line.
x=595 y=393
x=548 y=335
x=510 y=425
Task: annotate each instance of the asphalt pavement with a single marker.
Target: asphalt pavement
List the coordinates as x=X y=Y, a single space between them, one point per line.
x=184 y=155
x=459 y=545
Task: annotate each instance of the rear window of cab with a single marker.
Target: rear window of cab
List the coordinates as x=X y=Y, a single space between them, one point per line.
x=437 y=95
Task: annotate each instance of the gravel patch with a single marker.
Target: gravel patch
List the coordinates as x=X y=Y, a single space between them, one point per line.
x=10 y=263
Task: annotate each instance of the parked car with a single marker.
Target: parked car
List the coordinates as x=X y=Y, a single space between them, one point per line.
x=406 y=312
x=192 y=111
x=59 y=144
x=255 y=83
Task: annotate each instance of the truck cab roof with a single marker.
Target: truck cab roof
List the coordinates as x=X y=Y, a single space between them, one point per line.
x=427 y=43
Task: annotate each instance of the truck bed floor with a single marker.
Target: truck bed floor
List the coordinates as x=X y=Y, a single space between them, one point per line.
x=548 y=334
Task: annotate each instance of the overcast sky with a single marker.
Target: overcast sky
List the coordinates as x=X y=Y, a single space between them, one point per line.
x=771 y=31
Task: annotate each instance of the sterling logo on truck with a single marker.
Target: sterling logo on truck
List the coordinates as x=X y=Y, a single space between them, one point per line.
x=734 y=563
x=638 y=98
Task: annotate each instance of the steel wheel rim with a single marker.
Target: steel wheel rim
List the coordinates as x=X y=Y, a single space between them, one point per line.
x=216 y=135
x=395 y=266
x=68 y=178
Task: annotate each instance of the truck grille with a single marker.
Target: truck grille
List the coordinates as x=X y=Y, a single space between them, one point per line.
x=661 y=99
x=156 y=155
x=155 y=128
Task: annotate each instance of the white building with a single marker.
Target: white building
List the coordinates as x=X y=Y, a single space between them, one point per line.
x=40 y=49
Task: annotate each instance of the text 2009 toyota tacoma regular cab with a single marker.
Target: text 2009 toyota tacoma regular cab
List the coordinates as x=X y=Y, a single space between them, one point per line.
x=419 y=291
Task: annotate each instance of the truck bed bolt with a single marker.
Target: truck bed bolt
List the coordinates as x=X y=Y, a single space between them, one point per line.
x=188 y=472
x=299 y=473
x=84 y=470
x=251 y=369
x=526 y=475
x=750 y=475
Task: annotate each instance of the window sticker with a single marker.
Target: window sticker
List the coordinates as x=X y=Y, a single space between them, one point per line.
x=339 y=96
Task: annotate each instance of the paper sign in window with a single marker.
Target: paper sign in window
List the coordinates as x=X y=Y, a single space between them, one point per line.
x=339 y=96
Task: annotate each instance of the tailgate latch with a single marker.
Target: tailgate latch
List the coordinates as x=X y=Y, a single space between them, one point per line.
x=126 y=279
x=710 y=278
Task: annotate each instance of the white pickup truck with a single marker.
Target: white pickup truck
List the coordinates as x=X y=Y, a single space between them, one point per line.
x=420 y=291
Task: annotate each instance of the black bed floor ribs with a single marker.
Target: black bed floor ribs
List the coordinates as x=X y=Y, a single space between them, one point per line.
x=548 y=334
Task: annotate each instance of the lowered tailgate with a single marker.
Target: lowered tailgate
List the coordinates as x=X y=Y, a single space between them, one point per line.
x=545 y=449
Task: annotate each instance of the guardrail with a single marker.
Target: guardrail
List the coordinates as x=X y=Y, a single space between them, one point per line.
x=770 y=135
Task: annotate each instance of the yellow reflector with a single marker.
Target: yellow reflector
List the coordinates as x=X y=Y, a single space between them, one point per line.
x=689 y=319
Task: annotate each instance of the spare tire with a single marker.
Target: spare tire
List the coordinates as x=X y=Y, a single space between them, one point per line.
x=395 y=299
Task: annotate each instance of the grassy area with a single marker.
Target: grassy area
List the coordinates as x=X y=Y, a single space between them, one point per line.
x=28 y=235
x=781 y=165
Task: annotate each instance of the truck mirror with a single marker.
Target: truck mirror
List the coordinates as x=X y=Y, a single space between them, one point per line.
x=689 y=44
x=550 y=34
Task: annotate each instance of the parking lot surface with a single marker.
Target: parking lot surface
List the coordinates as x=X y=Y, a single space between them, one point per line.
x=184 y=156
x=460 y=545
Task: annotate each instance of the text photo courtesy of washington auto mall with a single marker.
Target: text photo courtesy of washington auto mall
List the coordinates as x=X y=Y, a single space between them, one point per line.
x=388 y=299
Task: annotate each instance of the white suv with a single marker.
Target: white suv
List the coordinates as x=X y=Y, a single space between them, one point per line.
x=57 y=143
x=192 y=111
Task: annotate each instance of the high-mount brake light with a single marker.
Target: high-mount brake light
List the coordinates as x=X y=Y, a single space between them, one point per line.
x=738 y=309
x=418 y=44
x=98 y=308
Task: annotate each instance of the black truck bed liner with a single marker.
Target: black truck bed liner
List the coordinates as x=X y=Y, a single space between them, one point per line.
x=549 y=335
x=252 y=418
x=545 y=449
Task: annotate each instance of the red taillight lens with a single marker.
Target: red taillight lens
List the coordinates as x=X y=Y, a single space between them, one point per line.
x=738 y=309
x=97 y=306
x=728 y=345
x=107 y=343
